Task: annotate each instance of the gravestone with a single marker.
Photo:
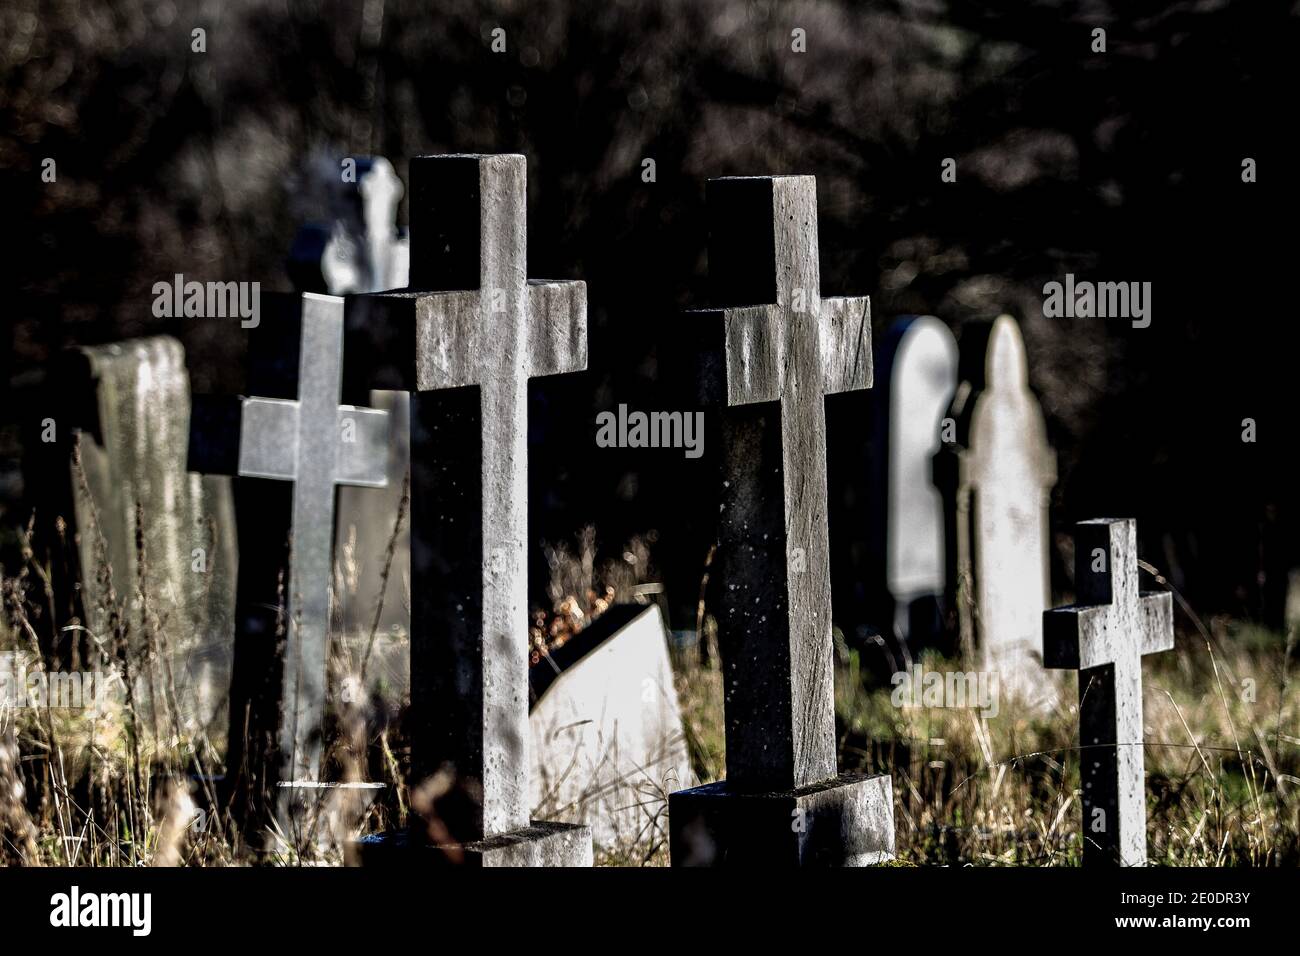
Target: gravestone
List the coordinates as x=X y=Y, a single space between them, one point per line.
x=997 y=477
x=464 y=340
x=608 y=744
x=352 y=243
x=1104 y=637
x=294 y=431
x=352 y=246
x=770 y=366
x=917 y=374
x=140 y=525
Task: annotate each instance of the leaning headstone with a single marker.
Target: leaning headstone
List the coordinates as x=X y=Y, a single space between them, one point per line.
x=997 y=475
x=464 y=340
x=917 y=374
x=1104 y=637
x=155 y=546
x=293 y=431
x=770 y=366
x=608 y=744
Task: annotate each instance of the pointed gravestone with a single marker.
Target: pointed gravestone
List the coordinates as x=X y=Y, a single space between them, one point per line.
x=917 y=376
x=997 y=477
x=464 y=340
x=770 y=367
x=292 y=445
x=1104 y=637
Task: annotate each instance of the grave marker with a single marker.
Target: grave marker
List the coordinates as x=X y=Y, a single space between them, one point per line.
x=770 y=366
x=997 y=478
x=352 y=245
x=1104 y=637
x=316 y=444
x=464 y=340
x=137 y=519
x=918 y=375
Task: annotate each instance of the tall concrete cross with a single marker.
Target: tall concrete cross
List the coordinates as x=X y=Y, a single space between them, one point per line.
x=1104 y=637
x=771 y=365
x=317 y=444
x=464 y=339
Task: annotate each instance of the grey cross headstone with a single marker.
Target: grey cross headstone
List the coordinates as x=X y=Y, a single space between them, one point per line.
x=464 y=340
x=918 y=373
x=1104 y=637
x=349 y=243
x=770 y=366
x=997 y=479
x=317 y=444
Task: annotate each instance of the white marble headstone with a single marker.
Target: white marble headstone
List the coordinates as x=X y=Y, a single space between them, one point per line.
x=1007 y=474
x=363 y=251
x=922 y=377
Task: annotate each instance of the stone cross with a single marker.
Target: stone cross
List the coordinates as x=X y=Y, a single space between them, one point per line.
x=1104 y=637
x=771 y=365
x=357 y=246
x=317 y=444
x=998 y=476
x=464 y=339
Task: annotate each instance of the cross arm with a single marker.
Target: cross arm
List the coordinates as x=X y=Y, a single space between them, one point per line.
x=1073 y=635
x=557 y=326
x=754 y=355
x=1156 y=609
x=845 y=335
x=214 y=436
x=378 y=343
x=410 y=341
x=268 y=439
x=362 y=457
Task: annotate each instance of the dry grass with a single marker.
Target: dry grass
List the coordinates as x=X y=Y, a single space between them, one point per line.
x=1222 y=758
x=1222 y=749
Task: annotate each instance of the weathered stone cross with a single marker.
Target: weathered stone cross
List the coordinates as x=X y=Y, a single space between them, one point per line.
x=771 y=366
x=464 y=339
x=315 y=443
x=1104 y=637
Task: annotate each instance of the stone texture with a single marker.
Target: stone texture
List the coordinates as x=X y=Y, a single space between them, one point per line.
x=464 y=339
x=997 y=478
x=1104 y=637
x=607 y=738
x=771 y=365
x=137 y=519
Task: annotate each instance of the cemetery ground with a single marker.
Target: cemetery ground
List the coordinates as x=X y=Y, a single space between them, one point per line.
x=128 y=787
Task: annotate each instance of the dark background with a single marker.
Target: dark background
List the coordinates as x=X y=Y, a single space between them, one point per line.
x=1117 y=166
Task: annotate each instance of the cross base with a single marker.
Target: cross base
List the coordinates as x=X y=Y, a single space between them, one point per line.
x=539 y=844
x=845 y=821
